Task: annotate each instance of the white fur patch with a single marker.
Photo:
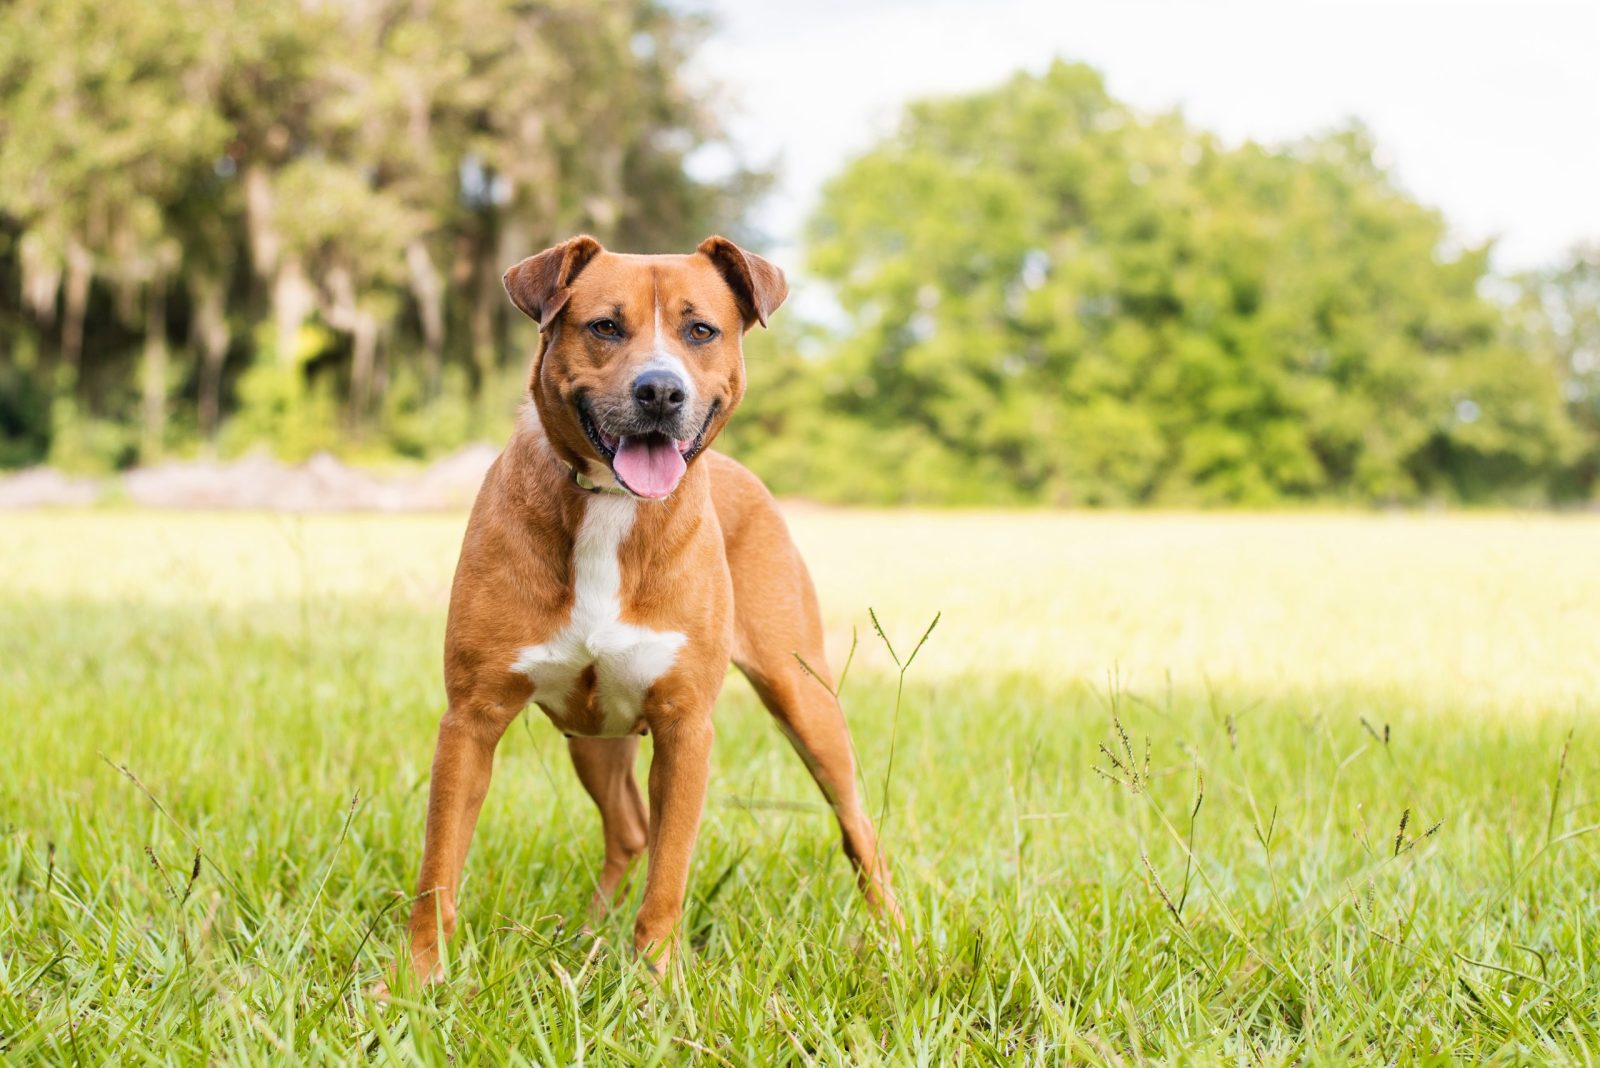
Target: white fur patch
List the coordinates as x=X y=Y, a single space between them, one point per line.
x=627 y=658
x=663 y=359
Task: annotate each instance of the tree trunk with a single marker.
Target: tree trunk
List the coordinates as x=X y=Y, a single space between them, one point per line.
x=486 y=298
x=292 y=300
x=258 y=220
x=75 y=304
x=41 y=278
x=380 y=371
x=261 y=237
x=364 y=348
x=211 y=338
x=153 y=372
x=428 y=288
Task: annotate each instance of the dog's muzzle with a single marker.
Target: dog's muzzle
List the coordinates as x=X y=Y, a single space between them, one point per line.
x=648 y=443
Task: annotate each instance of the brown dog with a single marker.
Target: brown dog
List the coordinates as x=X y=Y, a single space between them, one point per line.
x=612 y=568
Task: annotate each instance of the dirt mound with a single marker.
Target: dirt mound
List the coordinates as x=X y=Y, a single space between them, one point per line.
x=321 y=484
x=41 y=486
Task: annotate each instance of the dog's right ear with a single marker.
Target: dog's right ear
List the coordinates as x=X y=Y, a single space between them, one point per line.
x=539 y=284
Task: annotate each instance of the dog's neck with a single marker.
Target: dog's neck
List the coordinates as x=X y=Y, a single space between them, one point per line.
x=553 y=497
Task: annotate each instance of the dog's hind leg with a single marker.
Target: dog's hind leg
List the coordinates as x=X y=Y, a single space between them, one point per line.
x=776 y=618
x=605 y=767
x=810 y=718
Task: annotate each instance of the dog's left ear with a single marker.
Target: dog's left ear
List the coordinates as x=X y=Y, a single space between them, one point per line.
x=538 y=285
x=757 y=285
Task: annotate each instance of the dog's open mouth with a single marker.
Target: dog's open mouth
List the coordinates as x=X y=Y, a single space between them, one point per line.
x=648 y=465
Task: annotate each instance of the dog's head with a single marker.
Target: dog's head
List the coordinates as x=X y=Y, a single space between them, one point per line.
x=640 y=357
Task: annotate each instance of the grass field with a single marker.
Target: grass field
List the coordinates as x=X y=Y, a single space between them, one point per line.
x=1342 y=812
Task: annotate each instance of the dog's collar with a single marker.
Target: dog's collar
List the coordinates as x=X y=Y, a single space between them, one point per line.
x=589 y=485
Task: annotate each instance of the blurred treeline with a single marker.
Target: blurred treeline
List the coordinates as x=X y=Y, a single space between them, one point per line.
x=229 y=224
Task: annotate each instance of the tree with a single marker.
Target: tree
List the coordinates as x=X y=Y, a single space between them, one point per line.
x=1051 y=297
x=1558 y=315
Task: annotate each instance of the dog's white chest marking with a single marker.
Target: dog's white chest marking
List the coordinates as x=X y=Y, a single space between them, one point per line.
x=627 y=658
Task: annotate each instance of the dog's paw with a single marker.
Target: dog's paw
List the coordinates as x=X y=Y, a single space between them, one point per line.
x=383 y=990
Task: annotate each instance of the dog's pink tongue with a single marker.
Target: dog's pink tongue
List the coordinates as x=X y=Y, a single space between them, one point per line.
x=650 y=465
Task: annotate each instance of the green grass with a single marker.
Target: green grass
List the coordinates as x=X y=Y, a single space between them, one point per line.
x=271 y=688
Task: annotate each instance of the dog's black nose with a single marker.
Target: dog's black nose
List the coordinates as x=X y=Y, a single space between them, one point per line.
x=659 y=393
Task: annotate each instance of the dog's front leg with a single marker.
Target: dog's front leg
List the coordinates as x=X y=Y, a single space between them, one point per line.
x=678 y=772
x=462 y=763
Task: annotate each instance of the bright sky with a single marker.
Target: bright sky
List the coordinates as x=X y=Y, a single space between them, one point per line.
x=1486 y=109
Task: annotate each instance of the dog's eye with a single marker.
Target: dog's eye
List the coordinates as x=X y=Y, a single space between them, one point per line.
x=606 y=328
x=702 y=331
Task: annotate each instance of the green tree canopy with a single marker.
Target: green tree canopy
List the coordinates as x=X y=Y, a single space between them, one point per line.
x=1048 y=296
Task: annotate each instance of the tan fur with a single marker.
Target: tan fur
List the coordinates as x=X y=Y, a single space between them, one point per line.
x=713 y=562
